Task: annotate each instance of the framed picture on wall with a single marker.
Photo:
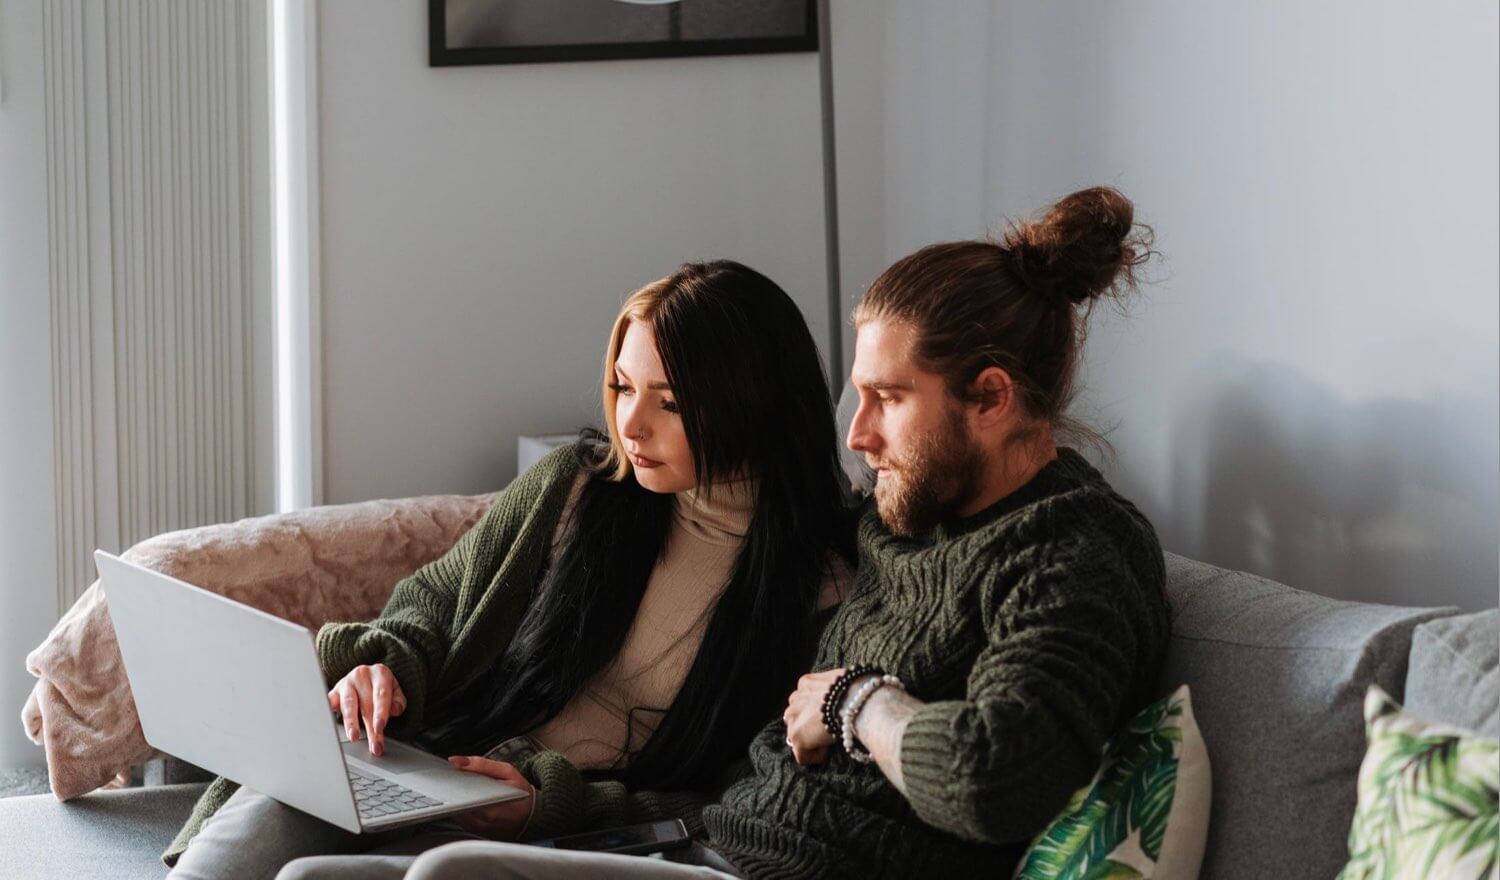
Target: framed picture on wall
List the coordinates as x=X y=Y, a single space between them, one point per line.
x=527 y=31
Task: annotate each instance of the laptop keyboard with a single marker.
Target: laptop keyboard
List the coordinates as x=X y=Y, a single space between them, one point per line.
x=377 y=797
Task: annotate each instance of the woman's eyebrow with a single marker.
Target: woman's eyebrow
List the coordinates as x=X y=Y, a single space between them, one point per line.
x=651 y=386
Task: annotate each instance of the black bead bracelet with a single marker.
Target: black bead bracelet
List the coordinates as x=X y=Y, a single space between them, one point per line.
x=836 y=693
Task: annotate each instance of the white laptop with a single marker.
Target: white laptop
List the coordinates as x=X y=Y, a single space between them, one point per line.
x=240 y=692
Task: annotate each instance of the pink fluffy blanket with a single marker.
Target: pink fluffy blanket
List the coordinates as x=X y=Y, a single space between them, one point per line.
x=310 y=566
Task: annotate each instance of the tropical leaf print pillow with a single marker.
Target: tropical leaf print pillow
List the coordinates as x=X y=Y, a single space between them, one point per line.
x=1427 y=799
x=1145 y=814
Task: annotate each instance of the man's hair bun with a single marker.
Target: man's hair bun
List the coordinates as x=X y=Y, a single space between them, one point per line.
x=1081 y=249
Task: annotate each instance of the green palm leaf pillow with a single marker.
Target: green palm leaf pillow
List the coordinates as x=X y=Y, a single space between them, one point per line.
x=1427 y=799
x=1145 y=814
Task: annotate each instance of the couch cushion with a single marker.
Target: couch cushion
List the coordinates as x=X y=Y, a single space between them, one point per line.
x=1455 y=672
x=118 y=834
x=1144 y=814
x=1278 y=678
x=1427 y=798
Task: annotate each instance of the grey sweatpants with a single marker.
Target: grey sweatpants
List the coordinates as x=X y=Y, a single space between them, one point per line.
x=255 y=837
x=252 y=837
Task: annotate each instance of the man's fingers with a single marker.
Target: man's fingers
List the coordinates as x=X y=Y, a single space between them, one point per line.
x=809 y=756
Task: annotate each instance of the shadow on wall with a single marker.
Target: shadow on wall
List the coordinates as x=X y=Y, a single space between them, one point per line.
x=1389 y=500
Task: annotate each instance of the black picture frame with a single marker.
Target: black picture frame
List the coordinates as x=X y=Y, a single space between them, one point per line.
x=441 y=55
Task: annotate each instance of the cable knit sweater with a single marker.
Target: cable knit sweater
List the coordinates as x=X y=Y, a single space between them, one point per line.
x=1031 y=631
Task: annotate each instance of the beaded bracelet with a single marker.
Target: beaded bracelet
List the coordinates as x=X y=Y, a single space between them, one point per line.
x=835 y=696
x=857 y=703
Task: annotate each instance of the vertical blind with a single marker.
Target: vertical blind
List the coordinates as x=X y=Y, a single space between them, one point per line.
x=159 y=260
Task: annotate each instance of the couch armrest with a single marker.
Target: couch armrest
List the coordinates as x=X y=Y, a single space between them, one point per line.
x=337 y=562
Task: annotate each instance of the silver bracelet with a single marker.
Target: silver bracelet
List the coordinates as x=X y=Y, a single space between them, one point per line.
x=852 y=707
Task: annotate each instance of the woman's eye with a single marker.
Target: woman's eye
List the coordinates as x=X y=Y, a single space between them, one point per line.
x=668 y=405
x=619 y=388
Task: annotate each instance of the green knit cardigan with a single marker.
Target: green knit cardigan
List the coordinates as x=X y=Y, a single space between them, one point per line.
x=461 y=611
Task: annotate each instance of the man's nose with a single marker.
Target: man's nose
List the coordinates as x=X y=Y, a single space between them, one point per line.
x=860 y=438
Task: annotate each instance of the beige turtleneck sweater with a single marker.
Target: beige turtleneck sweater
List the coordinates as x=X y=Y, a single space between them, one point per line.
x=620 y=708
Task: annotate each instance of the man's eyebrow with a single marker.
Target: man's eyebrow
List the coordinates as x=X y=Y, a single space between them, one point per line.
x=884 y=385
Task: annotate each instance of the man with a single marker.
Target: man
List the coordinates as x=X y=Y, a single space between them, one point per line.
x=1017 y=598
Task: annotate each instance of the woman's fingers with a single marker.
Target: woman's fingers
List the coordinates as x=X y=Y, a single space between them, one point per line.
x=358 y=705
x=370 y=695
x=398 y=696
x=359 y=679
x=349 y=708
x=504 y=820
x=382 y=687
x=493 y=769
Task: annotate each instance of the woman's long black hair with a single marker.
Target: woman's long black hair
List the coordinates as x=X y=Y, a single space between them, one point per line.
x=749 y=383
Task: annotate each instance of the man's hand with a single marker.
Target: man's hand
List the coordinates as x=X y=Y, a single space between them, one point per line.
x=805 y=731
x=504 y=821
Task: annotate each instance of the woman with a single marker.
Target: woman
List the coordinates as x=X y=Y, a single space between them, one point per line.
x=614 y=630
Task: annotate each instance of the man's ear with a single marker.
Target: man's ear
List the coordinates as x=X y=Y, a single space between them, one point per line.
x=993 y=394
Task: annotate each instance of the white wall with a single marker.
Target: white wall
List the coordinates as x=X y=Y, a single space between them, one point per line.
x=28 y=548
x=1309 y=391
x=482 y=225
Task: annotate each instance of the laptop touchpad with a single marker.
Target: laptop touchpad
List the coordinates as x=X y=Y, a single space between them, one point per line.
x=397 y=759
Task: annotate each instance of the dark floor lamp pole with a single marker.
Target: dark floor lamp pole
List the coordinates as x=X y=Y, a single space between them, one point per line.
x=830 y=203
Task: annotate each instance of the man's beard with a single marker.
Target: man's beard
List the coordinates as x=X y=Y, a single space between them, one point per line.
x=939 y=476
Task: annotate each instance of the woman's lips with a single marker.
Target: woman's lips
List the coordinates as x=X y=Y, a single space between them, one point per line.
x=641 y=461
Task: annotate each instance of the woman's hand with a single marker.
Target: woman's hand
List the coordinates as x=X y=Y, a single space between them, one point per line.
x=371 y=694
x=504 y=821
x=805 y=731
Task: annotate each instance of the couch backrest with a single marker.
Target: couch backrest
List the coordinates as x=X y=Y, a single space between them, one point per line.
x=1278 y=678
x=1454 y=675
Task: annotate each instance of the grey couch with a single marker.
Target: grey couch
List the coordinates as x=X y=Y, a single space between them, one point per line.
x=1277 y=677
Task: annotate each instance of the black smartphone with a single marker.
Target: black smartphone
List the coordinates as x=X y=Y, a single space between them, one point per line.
x=639 y=840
